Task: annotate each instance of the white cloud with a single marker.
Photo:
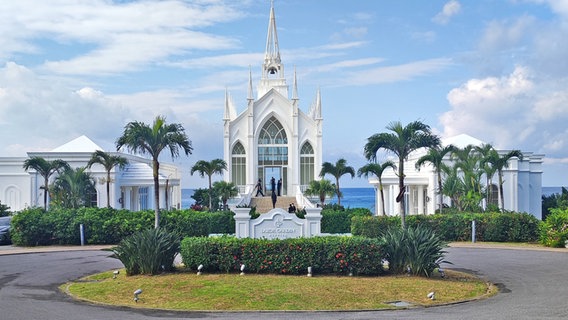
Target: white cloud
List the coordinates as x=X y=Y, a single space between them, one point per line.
x=450 y=9
x=113 y=37
x=515 y=111
x=395 y=73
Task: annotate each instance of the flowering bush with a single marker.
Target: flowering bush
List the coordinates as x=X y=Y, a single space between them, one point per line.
x=326 y=255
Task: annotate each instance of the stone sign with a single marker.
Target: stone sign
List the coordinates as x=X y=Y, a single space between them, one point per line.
x=277 y=224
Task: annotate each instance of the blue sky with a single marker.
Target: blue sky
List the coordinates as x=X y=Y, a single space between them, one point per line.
x=494 y=69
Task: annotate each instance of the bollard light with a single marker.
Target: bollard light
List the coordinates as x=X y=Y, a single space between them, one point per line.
x=309 y=271
x=136 y=294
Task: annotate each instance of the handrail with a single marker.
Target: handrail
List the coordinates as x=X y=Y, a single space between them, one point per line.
x=302 y=201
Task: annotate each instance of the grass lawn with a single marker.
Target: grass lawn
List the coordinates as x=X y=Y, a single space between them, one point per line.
x=216 y=292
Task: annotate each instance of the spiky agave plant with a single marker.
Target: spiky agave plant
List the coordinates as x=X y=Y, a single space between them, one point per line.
x=149 y=251
x=417 y=250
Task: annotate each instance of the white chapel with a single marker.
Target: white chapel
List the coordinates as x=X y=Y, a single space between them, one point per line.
x=272 y=137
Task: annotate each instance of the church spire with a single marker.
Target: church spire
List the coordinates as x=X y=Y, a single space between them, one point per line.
x=272 y=52
x=272 y=67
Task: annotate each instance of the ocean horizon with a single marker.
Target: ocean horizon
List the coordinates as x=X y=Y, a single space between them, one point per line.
x=352 y=197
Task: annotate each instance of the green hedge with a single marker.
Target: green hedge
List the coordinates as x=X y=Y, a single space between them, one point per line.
x=35 y=226
x=339 y=220
x=326 y=255
x=499 y=227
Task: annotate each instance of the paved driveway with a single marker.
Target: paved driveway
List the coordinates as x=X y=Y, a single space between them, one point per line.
x=534 y=286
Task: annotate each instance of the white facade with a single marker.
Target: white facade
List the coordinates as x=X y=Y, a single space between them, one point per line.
x=272 y=137
x=132 y=187
x=522 y=188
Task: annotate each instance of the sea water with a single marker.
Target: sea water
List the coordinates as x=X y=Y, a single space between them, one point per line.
x=352 y=197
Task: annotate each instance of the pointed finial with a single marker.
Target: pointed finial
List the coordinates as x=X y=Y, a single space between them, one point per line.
x=295 y=86
x=250 y=96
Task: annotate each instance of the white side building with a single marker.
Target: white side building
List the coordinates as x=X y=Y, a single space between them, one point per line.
x=522 y=188
x=132 y=187
x=273 y=137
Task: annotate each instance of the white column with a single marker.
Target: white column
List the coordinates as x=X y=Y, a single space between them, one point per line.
x=420 y=199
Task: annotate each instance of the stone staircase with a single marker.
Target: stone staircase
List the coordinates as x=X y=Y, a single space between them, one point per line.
x=264 y=204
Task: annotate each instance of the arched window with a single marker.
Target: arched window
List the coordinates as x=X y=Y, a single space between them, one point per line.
x=272 y=144
x=239 y=166
x=307 y=165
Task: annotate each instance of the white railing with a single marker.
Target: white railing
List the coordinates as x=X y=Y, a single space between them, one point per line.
x=244 y=198
x=301 y=200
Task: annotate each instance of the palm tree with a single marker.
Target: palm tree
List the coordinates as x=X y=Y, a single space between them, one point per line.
x=339 y=169
x=73 y=188
x=402 y=141
x=489 y=170
x=499 y=162
x=45 y=168
x=321 y=188
x=209 y=168
x=435 y=156
x=377 y=169
x=108 y=161
x=468 y=163
x=226 y=190
x=152 y=140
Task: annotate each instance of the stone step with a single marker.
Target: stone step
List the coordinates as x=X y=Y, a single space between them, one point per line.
x=264 y=204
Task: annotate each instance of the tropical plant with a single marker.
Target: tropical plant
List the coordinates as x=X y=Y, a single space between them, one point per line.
x=499 y=162
x=467 y=171
x=149 y=251
x=485 y=150
x=321 y=188
x=45 y=168
x=73 y=188
x=415 y=250
x=152 y=140
x=554 y=230
x=225 y=190
x=108 y=161
x=4 y=210
x=337 y=170
x=402 y=141
x=555 y=200
x=435 y=157
x=209 y=168
x=377 y=169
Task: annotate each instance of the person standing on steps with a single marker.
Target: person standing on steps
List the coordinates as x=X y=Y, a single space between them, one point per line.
x=273 y=196
x=273 y=184
x=279 y=187
x=258 y=188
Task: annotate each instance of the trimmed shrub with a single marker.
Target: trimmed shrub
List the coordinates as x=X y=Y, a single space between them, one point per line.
x=339 y=220
x=149 y=251
x=499 y=227
x=35 y=226
x=373 y=227
x=417 y=250
x=554 y=230
x=31 y=227
x=326 y=255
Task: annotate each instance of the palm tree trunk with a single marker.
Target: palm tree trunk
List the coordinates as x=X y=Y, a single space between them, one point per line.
x=501 y=197
x=401 y=189
x=108 y=189
x=46 y=182
x=210 y=209
x=337 y=191
x=441 y=195
x=156 y=166
x=382 y=198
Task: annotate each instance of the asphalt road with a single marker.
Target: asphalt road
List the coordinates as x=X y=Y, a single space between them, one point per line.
x=534 y=285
